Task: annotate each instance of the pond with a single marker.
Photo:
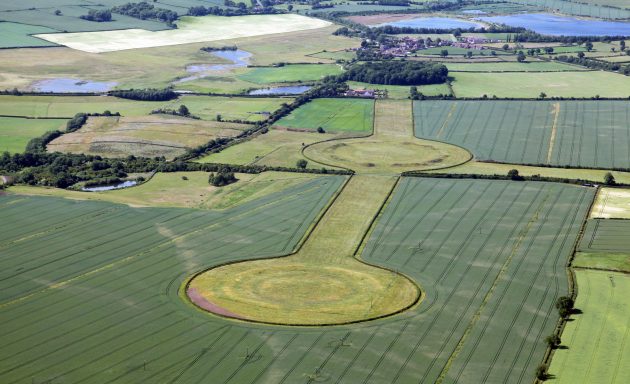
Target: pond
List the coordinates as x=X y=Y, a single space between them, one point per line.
x=109 y=187
x=238 y=58
x=434 y=22
x=548 y=24
x=65 y=85
x=294 y=90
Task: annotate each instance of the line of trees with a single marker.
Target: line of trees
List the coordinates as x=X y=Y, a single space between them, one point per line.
x=594 y=64
x=218 y=11
x=100 y=16
x=149 y=94
x=144 y=11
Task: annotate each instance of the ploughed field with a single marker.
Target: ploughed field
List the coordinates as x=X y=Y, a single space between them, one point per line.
x=94 y=291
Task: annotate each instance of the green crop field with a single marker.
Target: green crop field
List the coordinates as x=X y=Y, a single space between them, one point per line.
x=596 y=339
x=14 y=35
x=16 y=132
x=290 y=73
x=84 y=307
x=566 y=84
x=604 y=245
x=334 y=115
x=577 y=8
x=587 y=134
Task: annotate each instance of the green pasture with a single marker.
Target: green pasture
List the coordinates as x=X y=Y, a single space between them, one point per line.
x=102 y=299
x=15 y=133
x=290 y=73
x=402 y=91
x=335 y=55
x=584 y=84
x=13 y=35
x=334 y=115
x=596 y=339
x=589 y=134
x=588 y=9
x=512 y=66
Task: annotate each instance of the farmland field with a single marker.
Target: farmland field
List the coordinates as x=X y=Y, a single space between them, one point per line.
x=531 y=84
x=13 y=35
x=206 y=107
x=611 y=203
x=604 y=245
x=190 y=30
x=597 y=339
x=334 y=115
x=509 y=66
x=290 y=73
x=148 y=136
x=516 y=238
x=184 y=190
x=588 y=134
x=15 y=132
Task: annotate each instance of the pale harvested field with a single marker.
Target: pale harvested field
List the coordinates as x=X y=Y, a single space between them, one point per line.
x=190 y=30
x=612 y=203
x=149 y=136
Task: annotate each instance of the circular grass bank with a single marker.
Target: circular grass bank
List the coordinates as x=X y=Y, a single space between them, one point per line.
x=387 y=154
x=290 y=291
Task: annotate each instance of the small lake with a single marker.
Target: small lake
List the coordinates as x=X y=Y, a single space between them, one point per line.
x=434 y=22
x=296 y=90
x=64 y=85
x=99 y=188
x=238 y=58
x=548 y=24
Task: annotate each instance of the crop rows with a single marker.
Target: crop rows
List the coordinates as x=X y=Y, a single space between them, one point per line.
x=590 y=134
x=490 y=256
x=607 y=236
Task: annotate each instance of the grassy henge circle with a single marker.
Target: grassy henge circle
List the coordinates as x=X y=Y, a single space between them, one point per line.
x=289 y=291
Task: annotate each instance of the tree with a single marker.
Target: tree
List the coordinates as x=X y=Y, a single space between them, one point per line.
x=542 y=95
x=301 y=163
x=521 y=57
x=513 y=175
x=444 y=53
x=622 y=45
x=320 y=130
x=290 y=7
x=506 y=47
x=541 y=372
x=219 y=117
x=183 y=110
x=609 y=179
x=564 y=304
x=581 y=55
x=589 y=46
x=553 y=341
x=57 y=12
x=469 y=54
x=221 y=178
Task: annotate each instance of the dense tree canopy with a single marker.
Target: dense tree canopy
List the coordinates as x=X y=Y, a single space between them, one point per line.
x=146 y=11
x=397 y=73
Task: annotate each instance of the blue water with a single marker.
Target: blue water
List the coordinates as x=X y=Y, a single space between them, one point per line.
x=297 y=90
x=64 y=85
x=434 y=22
x=548 y=24
x=125 y=184
x=238 y=58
